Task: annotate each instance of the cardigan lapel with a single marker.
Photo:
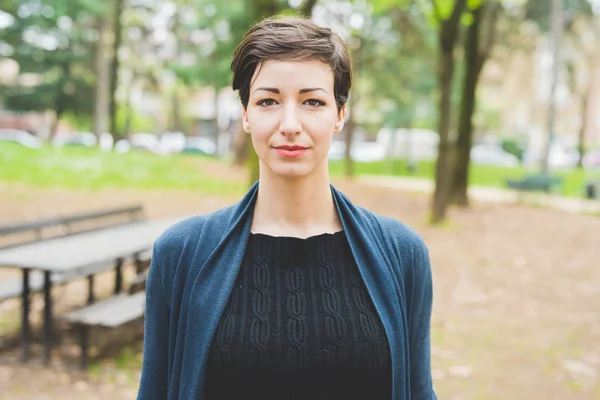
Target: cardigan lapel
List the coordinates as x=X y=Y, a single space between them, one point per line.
x=210 y=292
x=375 y=267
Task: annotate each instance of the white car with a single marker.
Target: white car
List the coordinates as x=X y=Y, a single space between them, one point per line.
x=140 y=141
x=85 y=139
x=492 y=155
x=21 y=137
x=361 y=151
x=337 y=150
x=368 y=152
x=199 y=145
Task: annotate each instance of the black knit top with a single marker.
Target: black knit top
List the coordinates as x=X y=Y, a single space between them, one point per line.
x=299 y=324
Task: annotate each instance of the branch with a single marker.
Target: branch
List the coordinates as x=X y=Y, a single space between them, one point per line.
x=449 y=27
x=307 y=7
x=493 y=12
x=436 y=10
x=459 y=6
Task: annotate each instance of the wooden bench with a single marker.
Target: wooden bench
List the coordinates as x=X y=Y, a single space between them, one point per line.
x=592 y=189
x=15 y=235
x=540 y=182
x=113 y=312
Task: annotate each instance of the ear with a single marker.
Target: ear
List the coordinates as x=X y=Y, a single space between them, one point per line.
x=341 y=117
x=245 y=123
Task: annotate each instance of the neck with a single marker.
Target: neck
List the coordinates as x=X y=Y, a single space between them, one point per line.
x=295 y=207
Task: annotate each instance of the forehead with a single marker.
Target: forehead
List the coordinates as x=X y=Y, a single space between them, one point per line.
x=293 y=74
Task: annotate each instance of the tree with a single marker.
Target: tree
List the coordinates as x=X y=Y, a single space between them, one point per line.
x=115 y=66
x=478 y=44
x=557 y=21
x=52 y=43
x=582 y=57
x=102 y=71
x=447 y=15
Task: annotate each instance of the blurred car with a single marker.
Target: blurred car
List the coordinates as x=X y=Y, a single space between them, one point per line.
x=172 y=142
x=492 y=155
x=140 y=141
x=122 y=146
x=361 y=151
x=368 y=152
x=591 y=159
x=337 y=150
x=85 y=139
x=558 y=157
x=199 y=145
x=21 y=137
x=106 y=142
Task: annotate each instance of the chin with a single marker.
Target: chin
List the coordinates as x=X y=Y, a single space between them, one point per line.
x=291 y=172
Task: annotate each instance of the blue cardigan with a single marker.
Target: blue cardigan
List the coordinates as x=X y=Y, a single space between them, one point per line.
x=194 y=267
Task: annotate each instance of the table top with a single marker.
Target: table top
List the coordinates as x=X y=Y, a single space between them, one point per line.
x=70 y=253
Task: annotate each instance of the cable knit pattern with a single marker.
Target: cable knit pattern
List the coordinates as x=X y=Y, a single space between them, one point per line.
x=299 y=324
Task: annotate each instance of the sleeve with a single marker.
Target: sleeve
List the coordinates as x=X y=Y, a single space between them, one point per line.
x=155 y=372
x=421 y=383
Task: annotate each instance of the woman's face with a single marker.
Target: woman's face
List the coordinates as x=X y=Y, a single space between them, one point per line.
x=291 y=116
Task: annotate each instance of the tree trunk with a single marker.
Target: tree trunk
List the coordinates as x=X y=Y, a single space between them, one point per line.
x=307 y=8
x=216 y=121
x=175 y=124
x=583 y=128
x=176 y=121
x=54 y=127
x=557 y=22
x=348 y=136
x=447 y=35
x=473 y=66
x=114 y=69
x=59 y=100
x=101 y=67
x=443 y=167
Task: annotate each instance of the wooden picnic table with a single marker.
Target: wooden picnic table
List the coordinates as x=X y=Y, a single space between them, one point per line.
x=72 y=255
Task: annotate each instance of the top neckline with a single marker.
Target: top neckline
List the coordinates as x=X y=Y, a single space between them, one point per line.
x=296 y=238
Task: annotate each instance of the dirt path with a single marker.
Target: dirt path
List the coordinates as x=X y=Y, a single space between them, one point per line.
x=516 y=307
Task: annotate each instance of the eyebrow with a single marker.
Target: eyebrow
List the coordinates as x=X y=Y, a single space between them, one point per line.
x=301 y=91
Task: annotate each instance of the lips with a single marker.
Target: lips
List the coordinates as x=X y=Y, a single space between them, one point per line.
x=292 y=148
x=287 y=151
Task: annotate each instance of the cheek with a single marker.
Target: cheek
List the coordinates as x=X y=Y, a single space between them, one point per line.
x=261 y=125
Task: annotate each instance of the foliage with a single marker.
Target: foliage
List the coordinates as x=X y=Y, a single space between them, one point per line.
x=512 y=146
x=52 y=43
x=539 y=11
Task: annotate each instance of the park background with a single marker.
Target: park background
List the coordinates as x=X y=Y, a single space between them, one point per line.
x=457 y=107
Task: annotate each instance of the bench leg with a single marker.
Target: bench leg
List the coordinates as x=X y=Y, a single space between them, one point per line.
x=119 y=276
x=138 y=263
x=47 y=317
x=84 y=332
x=91 y=295
x=25 y=328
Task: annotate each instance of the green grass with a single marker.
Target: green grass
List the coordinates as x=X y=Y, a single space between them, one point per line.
x=82 y=168
x=480 y=175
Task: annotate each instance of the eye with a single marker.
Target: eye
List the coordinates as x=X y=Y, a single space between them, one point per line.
x=266 y=102
x=315 y=103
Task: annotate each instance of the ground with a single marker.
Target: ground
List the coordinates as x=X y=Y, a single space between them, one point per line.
x=516 y=296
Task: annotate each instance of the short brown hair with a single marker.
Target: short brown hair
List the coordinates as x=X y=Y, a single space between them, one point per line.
x=291 y=38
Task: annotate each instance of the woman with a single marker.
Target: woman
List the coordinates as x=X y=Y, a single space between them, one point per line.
x=294 y=292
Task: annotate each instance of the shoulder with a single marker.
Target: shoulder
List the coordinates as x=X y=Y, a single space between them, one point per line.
x=409 y=256
x=398 y=236
x=189 y=231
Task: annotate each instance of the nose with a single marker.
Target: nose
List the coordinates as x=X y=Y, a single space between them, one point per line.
x=290 y=123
